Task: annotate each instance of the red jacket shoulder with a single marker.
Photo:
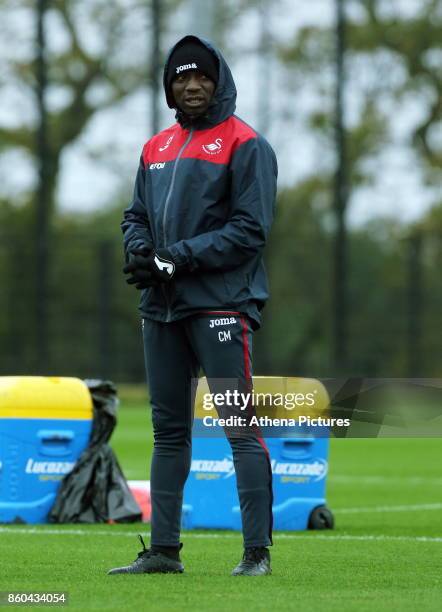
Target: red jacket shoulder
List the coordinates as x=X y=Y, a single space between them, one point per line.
x=243 y=131
x=159 y=139
x=239 y=132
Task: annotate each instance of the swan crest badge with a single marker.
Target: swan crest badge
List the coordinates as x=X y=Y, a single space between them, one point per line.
x=214 y=147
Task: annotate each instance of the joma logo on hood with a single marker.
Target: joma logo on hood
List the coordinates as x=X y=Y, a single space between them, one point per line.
x=186 y=67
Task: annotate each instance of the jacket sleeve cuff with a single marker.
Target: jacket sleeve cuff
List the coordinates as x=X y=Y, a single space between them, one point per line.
x=136 y=243
x=180 y=262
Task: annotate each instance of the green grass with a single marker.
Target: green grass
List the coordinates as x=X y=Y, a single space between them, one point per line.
x=385 y=553
x=132 y=440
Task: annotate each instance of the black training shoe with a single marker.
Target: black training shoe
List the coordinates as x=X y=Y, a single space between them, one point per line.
x=152 y=562
x=255 y=562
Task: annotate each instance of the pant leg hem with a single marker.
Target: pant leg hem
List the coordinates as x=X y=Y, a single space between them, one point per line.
x=258 y=544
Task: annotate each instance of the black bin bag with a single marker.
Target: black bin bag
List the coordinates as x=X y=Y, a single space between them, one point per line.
x=96 y=491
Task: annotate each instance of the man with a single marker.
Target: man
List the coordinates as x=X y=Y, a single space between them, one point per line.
x=194 y=236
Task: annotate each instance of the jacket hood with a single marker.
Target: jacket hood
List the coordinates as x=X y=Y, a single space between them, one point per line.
x=223 y=103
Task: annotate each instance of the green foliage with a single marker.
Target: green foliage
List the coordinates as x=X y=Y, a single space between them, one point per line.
x=390 y=55
x=297 y=264
x=92 y=75
x=86 y=284
x=405 y=53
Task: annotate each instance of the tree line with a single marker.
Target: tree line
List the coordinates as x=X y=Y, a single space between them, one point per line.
x=394 y=292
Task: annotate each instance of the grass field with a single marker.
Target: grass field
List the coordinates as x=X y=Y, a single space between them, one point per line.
x=384 y=554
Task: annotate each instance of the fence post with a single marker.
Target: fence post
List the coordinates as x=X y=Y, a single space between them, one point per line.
x=414 y=290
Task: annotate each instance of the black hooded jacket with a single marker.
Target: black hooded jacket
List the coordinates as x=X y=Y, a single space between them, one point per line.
x=205 y=190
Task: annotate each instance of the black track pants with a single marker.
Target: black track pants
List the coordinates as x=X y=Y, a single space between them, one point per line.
x=174 y=352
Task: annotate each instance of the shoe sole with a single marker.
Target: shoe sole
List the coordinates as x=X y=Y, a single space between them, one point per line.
x=152 y=571
x=111 y=573
x=253 y=575
x=267 y=573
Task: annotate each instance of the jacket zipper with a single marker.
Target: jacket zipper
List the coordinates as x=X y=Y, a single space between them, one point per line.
x=166 y=206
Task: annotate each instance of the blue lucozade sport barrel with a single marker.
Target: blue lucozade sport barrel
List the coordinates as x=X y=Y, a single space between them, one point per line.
x=299 y=460
x=45 y=424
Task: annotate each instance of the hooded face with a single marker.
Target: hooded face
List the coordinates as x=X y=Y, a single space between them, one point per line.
x=193 y=91
x=204 y=103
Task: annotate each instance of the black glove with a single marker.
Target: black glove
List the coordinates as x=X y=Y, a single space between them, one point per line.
x=138 y=268
x=161 y=265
